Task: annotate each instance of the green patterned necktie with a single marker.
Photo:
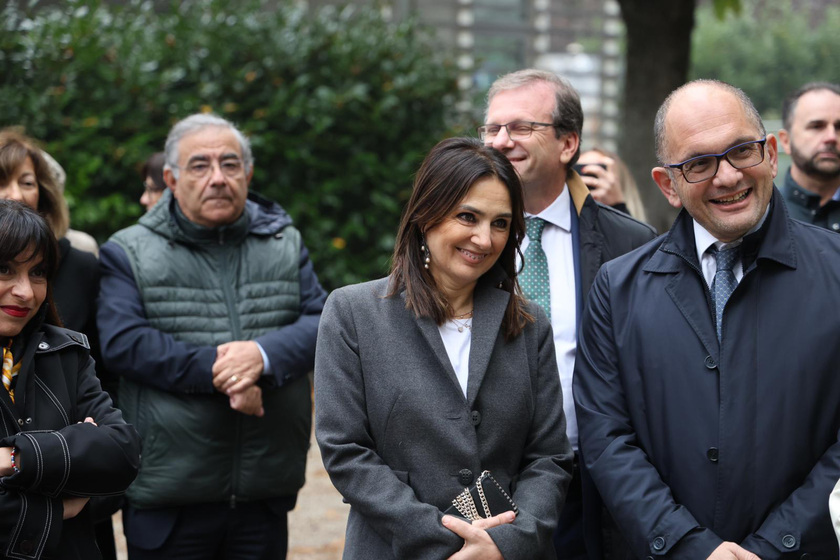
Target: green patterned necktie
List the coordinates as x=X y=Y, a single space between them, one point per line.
x=534 y=277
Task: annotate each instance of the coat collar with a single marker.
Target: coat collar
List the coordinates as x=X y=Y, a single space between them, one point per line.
x=578 y=190
x=489 y=305
x=677 y=257
x=773 y=242
x=261 y=217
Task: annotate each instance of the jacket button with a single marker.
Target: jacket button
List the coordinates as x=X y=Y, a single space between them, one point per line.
x=788 y=541
x=710 y=362
x=27 y=547
x=712 y=454
x=465 y=477
x=475 y=417
x=28 y=420
x=658 y=543
x=835 y=226
x=20 y=421
x=43 y=346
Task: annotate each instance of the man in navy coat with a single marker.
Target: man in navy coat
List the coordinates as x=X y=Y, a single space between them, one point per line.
x=707 y=394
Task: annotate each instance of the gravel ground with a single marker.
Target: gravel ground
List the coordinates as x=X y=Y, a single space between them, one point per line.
x=316 y=525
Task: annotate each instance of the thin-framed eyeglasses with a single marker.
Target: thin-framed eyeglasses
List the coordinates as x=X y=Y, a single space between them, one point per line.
x=199 y=169
x=739 y=156
x=516 y=130
x=151 y=189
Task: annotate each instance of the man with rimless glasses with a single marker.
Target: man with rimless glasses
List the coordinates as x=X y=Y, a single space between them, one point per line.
x=706 y=378
x=535 y=119
x=209 y=309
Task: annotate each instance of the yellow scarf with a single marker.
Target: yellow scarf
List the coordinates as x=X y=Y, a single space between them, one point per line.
x=10 y=371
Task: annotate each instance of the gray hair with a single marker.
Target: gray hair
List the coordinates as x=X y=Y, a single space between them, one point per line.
x=194 y=123
x=790 y=102
x=567 y=116
x=660 y=133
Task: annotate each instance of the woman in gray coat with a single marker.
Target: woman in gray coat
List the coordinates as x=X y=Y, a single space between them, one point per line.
x=427 y=378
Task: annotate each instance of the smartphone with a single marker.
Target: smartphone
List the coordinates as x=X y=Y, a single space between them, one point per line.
x=579 y=168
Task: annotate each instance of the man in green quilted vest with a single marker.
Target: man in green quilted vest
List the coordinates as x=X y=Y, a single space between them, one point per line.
x=209 y=309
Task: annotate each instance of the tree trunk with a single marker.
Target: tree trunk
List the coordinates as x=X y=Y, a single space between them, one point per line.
x=658 y=56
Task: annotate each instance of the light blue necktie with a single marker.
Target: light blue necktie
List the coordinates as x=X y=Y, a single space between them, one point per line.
x=724 y=281
x=534 y=278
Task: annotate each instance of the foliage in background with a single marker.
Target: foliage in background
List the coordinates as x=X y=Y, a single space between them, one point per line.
x=340 y=107
x=768 y=50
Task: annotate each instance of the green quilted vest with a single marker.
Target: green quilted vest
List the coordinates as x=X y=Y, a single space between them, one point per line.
x=209 y=287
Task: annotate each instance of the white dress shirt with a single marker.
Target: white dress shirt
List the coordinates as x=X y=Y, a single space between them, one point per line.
x=708 y=264
x=457 y=343
x=557 y=244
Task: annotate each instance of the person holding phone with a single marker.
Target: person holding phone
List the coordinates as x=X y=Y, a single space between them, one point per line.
x=610 y=182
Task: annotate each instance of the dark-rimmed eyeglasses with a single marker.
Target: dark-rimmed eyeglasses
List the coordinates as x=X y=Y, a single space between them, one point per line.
x=739 y=156
x=516 y=130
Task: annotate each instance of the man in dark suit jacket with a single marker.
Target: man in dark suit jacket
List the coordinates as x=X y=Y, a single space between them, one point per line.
x=706 y=381
x=535 y=119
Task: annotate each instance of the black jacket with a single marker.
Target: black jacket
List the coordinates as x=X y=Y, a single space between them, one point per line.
x=59 y=455
x=805 y=205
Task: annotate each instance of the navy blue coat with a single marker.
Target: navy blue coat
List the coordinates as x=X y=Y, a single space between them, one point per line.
x=690 y=442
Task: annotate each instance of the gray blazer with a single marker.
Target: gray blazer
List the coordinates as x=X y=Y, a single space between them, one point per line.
x=400 y=441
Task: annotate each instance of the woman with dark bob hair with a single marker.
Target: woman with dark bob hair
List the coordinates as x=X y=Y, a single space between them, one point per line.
x=430 y=378
x=64 y=442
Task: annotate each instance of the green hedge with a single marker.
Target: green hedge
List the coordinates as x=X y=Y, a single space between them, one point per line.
x=340 y=107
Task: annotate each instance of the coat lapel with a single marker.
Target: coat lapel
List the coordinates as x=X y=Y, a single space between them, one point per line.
x=489 y=304
x=591 y=241
x=677 y=256
x=26 y=371
x=431 y=333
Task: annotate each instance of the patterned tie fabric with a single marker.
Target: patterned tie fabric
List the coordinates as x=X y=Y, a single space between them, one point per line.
x=10 y=371
x=534 y=277
x=724 y=281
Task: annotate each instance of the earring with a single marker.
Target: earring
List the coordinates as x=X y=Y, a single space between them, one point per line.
x=426 y=259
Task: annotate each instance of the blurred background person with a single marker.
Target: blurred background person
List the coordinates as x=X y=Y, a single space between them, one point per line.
x=78 y=239
x=64 y=440
x=811 y=137
x=610 y=181
x=427 y=378
x=26 y=176
x=153 y=183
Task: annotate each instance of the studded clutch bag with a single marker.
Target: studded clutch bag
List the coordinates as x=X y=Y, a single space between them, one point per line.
x=483 y=499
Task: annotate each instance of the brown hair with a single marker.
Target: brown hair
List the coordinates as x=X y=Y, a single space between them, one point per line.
x=567 y=116
x=153 y=168
x=450 y=169
x=15 y=147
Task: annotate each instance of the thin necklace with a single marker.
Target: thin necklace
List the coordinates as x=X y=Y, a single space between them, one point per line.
x=463 y=315
x=467 y=324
